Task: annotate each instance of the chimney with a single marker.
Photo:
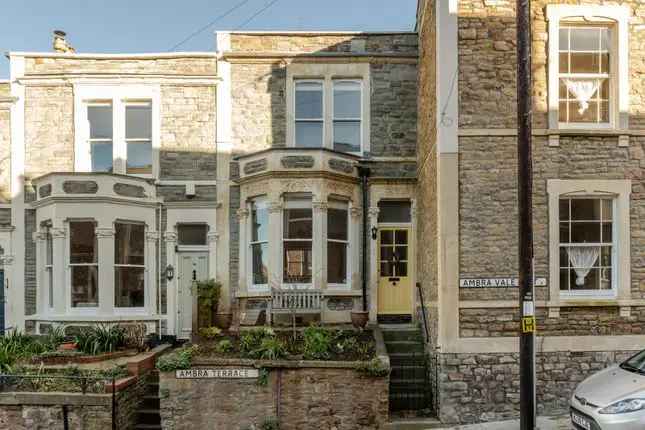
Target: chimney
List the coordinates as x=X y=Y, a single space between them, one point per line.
x=60 y=43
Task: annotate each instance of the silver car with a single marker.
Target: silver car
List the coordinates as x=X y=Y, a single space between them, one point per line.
x=612 y=399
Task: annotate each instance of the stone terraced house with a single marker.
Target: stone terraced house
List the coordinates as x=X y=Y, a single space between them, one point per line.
x=354 y=164
x=126 y=177
x=588 y=201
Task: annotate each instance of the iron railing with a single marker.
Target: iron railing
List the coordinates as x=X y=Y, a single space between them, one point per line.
x=72 y=384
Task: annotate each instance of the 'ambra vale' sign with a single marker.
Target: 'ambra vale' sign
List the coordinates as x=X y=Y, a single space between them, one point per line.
x=496 y=282
x=223 y=373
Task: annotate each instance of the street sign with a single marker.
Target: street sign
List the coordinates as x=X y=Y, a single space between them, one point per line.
x=528 y=324
x=220 y=373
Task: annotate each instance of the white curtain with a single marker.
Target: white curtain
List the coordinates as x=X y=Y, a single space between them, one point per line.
x=583 y=91
x=582 y=258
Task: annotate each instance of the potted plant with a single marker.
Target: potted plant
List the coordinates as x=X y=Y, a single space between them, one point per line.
x=208 y=293
x=359 y=318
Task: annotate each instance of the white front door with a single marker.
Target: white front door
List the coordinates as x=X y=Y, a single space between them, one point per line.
x=193 y=266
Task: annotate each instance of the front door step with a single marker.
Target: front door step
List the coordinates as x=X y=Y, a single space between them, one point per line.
x=413 y=424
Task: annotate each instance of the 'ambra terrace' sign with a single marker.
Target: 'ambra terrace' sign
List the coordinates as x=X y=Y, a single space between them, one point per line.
x=223 y=373
x=496 y=282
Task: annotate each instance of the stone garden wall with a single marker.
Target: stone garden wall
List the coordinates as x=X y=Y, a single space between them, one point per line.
x=485 y=387
x=330 y=396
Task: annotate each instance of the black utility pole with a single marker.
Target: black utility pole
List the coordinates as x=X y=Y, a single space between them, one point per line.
x=524 y=191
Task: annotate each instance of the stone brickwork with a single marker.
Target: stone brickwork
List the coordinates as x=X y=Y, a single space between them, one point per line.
x=573 y=321
x=259 y=107
x=485 y=387
x=49 y=130
x=393 y=110
x=427 y=205
x=234 y=237
x=195 y=65
x=404 y=43
x=177 y=193
x=188 y=120
x=29 y=417
x=322 y=398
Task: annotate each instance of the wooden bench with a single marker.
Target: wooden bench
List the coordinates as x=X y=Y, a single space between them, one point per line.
x=295 y=302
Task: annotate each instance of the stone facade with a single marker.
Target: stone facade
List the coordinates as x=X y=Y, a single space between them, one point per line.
x=485 y=387
x=5 y=141
x=322 y=398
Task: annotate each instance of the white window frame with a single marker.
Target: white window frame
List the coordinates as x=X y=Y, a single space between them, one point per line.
x=595 y=292
x=334 y=82
x=115 y=265
x=321 y=120
x=260 y=202
x=619 y=191
x=333 y=204
x=82 y=310
x=327 y=74
x=127 y=103
x=119 y=95
x=298 y=202
x=618 y=16
x=192 y=248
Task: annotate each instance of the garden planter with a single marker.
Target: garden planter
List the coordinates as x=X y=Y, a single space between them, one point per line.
x=359 y=318
x=223 y=320
x=67 y=346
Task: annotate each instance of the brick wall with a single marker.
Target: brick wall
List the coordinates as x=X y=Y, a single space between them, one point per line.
x=309 y=398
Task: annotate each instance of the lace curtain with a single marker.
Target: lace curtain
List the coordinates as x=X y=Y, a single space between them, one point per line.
x=583 y=91
x=582 y=258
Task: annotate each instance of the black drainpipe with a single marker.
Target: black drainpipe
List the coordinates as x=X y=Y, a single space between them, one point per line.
x=364 y=173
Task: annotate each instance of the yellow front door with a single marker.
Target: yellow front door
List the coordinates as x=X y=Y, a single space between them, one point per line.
x=394 y=286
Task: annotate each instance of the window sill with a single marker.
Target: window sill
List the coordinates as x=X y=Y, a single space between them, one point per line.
x=555 y=133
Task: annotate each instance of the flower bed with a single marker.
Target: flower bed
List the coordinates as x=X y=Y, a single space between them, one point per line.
x=78 y=357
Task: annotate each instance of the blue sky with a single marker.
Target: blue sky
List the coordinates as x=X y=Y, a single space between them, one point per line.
x=156 y=26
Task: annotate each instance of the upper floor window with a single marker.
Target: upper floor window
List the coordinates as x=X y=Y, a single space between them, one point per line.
x=585 y=74
x=138 y=138
x=347 y=116
x=117 y=129
x=328 y=106
x=588 y=66
x=309 y=115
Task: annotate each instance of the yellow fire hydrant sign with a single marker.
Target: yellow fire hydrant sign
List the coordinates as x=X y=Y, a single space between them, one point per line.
x=528 y=324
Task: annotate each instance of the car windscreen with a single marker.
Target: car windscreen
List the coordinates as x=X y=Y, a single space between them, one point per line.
x=635 y=364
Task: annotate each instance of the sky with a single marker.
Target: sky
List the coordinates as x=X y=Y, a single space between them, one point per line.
x=126 y=26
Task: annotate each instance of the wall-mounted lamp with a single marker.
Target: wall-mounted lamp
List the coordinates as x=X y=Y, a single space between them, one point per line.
x=374 y=231
x=170 y=272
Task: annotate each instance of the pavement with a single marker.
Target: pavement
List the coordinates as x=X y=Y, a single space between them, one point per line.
x=544 y=423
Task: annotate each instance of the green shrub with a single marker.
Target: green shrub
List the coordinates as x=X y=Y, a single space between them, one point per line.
x=100 y=339
x=224 y=346
x=15 y=345
x=210 y=332
x=262 y=343
x=208 y=294
x=177 y=360
x=374 y=367
x=317 y=343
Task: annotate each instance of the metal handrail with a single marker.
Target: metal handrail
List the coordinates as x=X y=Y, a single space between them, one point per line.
x=423 y=312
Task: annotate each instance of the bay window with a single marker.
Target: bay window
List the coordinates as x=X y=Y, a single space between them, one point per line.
x=337 y=243
x=297 y=241
x=129 y=265
x=259 y=243
x=83 y=264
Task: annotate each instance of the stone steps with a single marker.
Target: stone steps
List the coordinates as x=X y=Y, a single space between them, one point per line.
x=148 y=413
